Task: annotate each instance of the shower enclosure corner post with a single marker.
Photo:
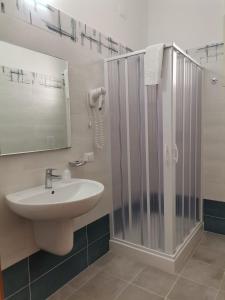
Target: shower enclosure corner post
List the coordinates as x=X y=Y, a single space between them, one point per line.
x=168 y=138
x=108 y=139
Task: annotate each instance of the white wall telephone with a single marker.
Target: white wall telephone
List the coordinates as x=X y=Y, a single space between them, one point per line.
x=96 y=99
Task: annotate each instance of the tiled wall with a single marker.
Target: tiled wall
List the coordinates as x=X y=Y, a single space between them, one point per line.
x=214 y=216
x=38 y=276
x=46 y=17
x=213 y=122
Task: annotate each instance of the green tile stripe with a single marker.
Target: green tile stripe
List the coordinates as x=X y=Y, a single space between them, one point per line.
x=214 y=216
x=41 y=274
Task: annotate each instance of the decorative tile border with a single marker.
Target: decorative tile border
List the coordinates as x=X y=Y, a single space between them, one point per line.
x=40 y=275
x=44 y=16
x=208 y=53
x=24 y=77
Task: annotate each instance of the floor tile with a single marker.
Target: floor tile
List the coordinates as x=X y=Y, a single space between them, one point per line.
x=62 y=294
x=85 y=276
x=221 y=296
x=102 y=287
x=135 y=293
x=122 y=267
x=187 y=290
x=223 y=283
x=102 y=261
x=203 y=273
x=213 y=241
x=210 y=256
x=155 y=280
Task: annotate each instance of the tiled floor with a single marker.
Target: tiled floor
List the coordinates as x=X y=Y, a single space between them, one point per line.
x=119 y=278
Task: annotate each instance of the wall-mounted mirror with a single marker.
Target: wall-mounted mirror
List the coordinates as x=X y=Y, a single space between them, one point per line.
x=34 y=101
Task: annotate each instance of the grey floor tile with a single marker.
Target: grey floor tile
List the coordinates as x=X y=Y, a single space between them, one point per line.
x=122 y=267
x=221 y=296
x=210 y=256
x=155 y=280
x=203 y=273
x=187 y=290
x=135 y=293
x=102 y=261
x=213 y=241
x=223 y=283
x=102 y=287
x=85 y=276
x=62 y=294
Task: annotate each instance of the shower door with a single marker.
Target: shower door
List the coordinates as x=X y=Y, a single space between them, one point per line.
x=137 y=169
x=187 y=124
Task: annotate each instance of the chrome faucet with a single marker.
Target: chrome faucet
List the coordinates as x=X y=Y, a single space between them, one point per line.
x=49 y=178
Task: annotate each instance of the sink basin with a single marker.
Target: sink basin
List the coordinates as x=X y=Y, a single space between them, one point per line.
x=65 y=200
x=52 y=211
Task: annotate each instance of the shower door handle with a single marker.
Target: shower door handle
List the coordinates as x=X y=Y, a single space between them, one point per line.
x=167 y=154
x=175 y=154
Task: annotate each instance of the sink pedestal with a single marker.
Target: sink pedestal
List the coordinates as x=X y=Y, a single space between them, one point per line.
x=54 y=236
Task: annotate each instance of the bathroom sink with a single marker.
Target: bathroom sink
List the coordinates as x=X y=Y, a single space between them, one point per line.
x=65 y=200
x=53 y=210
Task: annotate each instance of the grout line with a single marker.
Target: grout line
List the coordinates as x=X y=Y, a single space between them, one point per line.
x=56 y=266
x=101 y=237
x=28 y=265
x=129 y=282
x=146 y=290
x=101 y=268
x=220 y=288
x=87 y=246
x=88 y=267
x=220 y=218
x=172 y=287
x=62 y=262
x=199 y=283
x=179 y=275
x=18 y=291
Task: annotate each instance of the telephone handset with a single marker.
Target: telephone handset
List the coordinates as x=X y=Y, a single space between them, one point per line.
x=96 y=99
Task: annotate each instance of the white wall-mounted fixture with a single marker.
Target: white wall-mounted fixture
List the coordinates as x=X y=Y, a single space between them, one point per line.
x=52 y=211
x=88 y=157
x=96 y=99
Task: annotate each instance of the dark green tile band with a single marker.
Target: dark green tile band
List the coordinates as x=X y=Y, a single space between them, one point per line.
x=56 y=278
x=98 y=249
x=16 y=277
x=23 y=294
x=214 y=208
x=41 y=262
x=213 y=224
x=49 y=272
x=214 y=216
x=98 y=229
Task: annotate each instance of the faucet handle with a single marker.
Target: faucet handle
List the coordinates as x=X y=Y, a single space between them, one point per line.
x=49 y=170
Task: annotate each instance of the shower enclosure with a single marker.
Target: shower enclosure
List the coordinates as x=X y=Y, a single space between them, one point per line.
x=155 y=151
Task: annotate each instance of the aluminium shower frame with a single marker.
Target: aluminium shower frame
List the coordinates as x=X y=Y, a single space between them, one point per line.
x=170 y=148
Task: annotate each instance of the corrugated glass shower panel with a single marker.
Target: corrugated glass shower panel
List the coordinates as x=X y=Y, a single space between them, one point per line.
x=188 y=142
x=136 y=138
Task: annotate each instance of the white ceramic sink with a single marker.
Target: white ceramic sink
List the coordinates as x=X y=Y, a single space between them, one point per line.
x=52 y=211
x=65 y=200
